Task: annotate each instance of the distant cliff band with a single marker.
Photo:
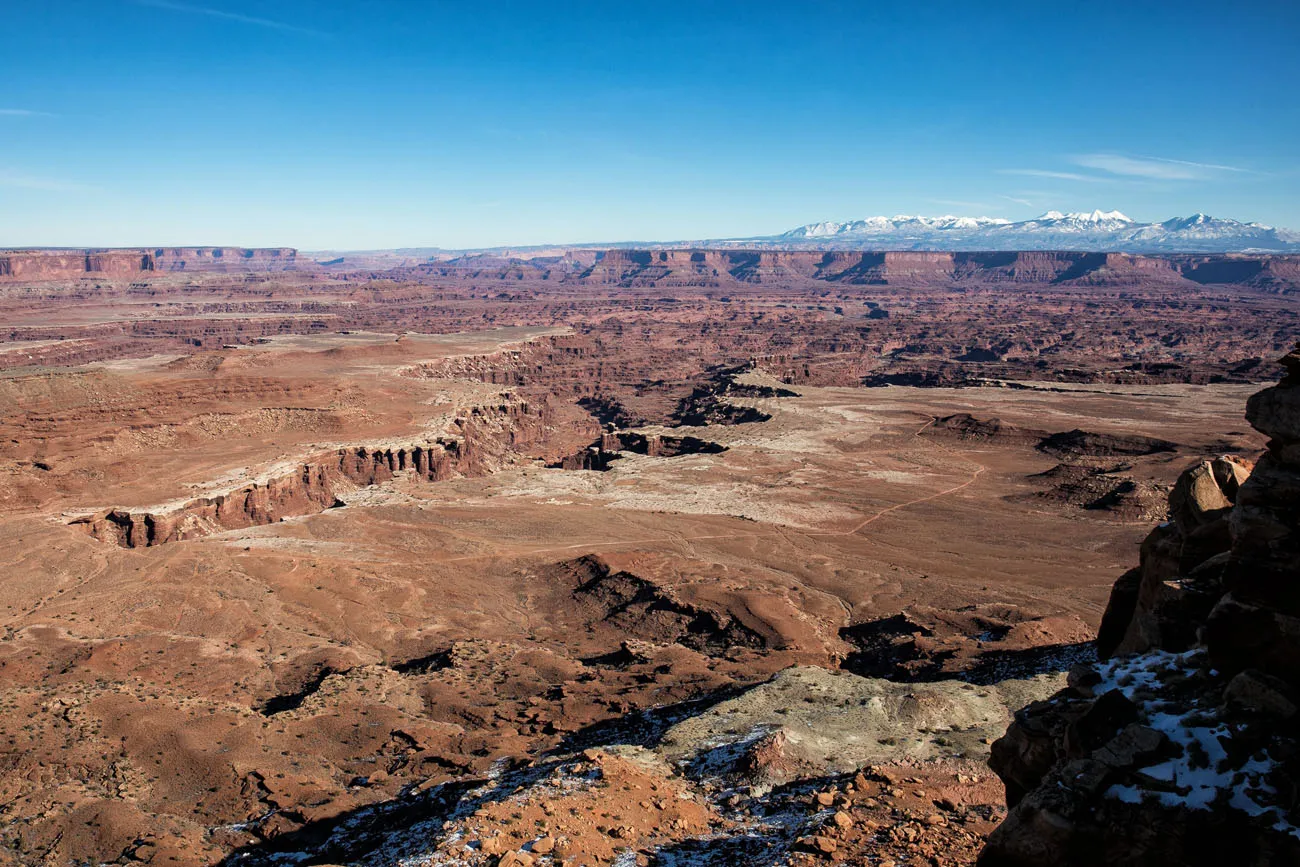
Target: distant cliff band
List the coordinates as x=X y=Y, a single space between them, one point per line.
x=696 y=267
x=36 y=265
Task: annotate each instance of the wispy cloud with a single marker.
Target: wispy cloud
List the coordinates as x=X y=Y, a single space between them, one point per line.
x=1025 y=202
x=38 y=182
x=1157 y=168
x=1044 y=173
x=192 y=9
x=957 y=203
x=23 y=112
x=1211 y=166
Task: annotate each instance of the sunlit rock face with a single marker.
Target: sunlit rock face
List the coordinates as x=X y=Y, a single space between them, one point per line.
x=1180 y=748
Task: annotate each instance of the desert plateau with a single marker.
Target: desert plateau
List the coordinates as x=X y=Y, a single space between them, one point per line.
x=523 y=434
x=568 y=562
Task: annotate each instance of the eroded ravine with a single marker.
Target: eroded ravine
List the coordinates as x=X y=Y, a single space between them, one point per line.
x=478 y=440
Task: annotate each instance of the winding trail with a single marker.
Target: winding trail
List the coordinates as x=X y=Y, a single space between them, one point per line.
x=980 y=468
x=783 y=531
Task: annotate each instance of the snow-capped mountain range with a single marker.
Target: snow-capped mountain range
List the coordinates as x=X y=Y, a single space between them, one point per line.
x=1098 y=230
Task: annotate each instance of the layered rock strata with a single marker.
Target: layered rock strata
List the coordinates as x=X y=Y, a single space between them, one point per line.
x=705 y=267
x=484 y=436
x=40 y=265
x=720 y=267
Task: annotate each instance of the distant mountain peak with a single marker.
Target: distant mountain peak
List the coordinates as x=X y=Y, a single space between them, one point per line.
x=1097 y=216
x=1096 y=230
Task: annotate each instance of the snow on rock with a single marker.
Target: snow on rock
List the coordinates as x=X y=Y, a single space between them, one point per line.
x=1170 y=756
x=1205 y=776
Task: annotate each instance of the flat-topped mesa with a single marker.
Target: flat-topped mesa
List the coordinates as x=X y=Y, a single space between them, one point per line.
x=484 y=438
x=1031 y=266
x=1279 y=272
x=228 y=259
x=44 y=265
x=665 y=267
x=1272 y=273
x=36 y=266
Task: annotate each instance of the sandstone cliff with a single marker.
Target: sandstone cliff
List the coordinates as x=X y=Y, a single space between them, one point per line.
x=479 y=440
x=704 y=268
x=1182 y=747
x=228 y=259
x=42 y=265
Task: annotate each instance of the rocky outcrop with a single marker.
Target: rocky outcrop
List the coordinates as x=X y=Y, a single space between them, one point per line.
x=482 y=438
x=1082 y=443
x=1164 y=601
x=1257 y=621
x=982 y=644
x=964 y=426
x=1182 y=747
x=648 y=611
x=311 y=487
x=594 y=458
x=1103 y=488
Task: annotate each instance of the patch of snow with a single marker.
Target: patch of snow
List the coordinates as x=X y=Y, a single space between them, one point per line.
x=1203 y=777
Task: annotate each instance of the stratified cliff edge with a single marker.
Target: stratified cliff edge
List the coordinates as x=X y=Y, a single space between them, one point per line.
x=707 y=268
x=39 y=265
x=478 y=440
x=1181 y=748
x=1278 y=273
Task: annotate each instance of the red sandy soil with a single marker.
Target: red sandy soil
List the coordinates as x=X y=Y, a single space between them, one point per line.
x=331 y=645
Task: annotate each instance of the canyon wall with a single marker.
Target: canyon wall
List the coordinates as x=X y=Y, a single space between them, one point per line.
x=722 y=267
x=38 y=266
x=42 y=265
x=228 y=259
x=481 y=439
x=630 y=267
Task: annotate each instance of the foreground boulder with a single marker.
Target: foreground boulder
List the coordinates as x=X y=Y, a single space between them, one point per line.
x=1183 y=745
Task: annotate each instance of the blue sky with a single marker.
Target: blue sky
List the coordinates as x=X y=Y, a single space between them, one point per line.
x=368 y=124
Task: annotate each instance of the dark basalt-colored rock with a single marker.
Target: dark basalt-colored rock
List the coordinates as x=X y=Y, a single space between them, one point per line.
x=978 y=643
x=645 y=610
x=1082 y=443
x=964 y=426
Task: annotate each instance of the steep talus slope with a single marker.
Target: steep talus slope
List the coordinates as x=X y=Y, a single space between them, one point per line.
x=1181 y=748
